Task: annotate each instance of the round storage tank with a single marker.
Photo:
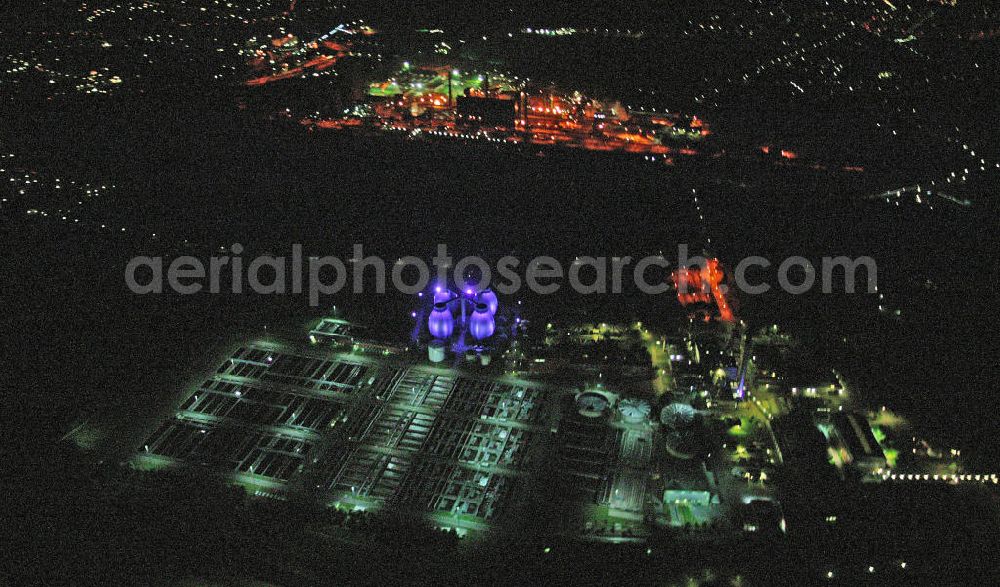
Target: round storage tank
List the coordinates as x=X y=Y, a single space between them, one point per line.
x=436 y=350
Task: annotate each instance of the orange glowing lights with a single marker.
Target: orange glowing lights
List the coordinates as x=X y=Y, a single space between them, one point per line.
x=703 y=286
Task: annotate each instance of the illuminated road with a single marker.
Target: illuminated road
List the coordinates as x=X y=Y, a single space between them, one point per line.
x=755 y=407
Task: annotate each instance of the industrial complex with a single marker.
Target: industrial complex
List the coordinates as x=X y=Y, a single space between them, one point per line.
x=239 y=368
x=461 y=419
x=444 y=102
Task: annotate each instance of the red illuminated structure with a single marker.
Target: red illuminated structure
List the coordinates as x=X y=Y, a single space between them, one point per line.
x=696 y=285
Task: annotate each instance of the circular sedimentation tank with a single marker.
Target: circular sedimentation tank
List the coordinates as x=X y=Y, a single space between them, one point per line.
x=677 y=415
x=683 y=431
x=634 y=410
x=591 y=405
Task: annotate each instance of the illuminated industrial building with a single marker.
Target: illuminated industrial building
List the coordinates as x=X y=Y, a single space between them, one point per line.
x=462 y=321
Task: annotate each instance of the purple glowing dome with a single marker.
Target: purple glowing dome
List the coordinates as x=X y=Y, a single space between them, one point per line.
x=490 y=299
x=482 y=325
x=440 y=323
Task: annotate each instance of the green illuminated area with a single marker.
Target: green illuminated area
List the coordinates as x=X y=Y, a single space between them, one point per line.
x=677 y=133
x=86 y=436
x=360 y=425
x=435 y=441
x=363 y=425
x=356 y=428
x=257 y=417
x=745 y=428
x=412 y=81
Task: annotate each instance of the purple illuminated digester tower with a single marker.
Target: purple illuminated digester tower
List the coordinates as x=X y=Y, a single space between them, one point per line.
x=441 y=323
x=490 y=299
x=482 y=325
